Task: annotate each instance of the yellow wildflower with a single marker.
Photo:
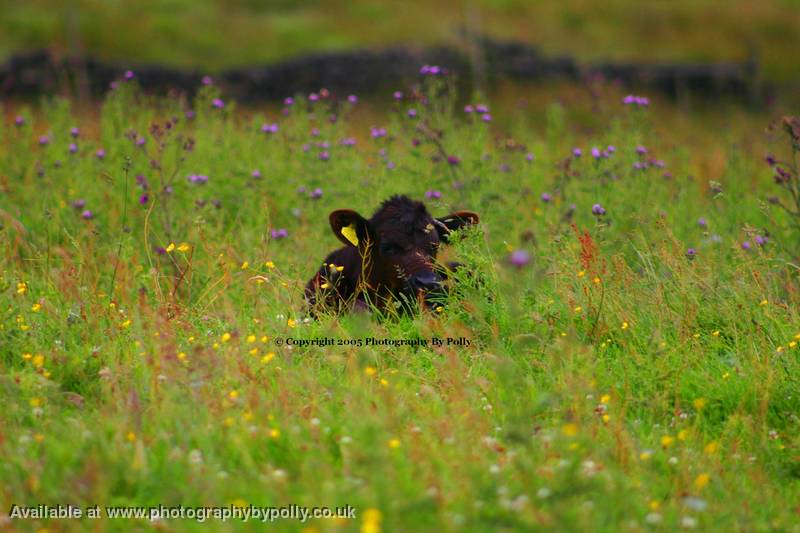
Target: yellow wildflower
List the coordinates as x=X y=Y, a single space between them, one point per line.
x=170 y=247
x=701 y=481
x=184 y=247
x=394 y=443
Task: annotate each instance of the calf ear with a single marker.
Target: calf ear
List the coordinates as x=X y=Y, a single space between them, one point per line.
x=350 y=227
x=453 y=222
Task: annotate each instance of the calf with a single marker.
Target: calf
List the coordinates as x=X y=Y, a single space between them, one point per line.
x=388 y=259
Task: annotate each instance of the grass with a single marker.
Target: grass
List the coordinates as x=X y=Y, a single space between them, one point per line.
x=218 y=34
x=612 y=382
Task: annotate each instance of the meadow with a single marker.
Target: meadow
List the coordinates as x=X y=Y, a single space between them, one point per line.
x=633 y=357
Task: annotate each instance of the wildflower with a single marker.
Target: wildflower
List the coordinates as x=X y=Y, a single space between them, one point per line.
x=217 y=103
x=270 y=128
x=453 y=160
x=275 y=433
x=268 y=357
x=624 y=325
x=184 y=247
x=233 y=394
x=279 y=233
x=170 y=247
x=291 y=323
x=245 y=265
x=699 y=403
x=667 y=441
x=578 y=309
x=519 y=258
x=745 y=245
x=645 y=455
x=433 y=194
x=370 y=370
x=198 y=179
x=100 y=154
x=22 y=287
x=44 y=140
x=352 y=99
x=545 y=197
x=690 y=253
x=701 y=481
x=394 y=443
x=469 y=109
x=570 y=429
x=129 y=75
x=19 y=121
x=87 y=215
x=225 y=337
x=143 y=199
x=598 y=210
x=486 y=117
x=207 y=80
x=37 y=307
x=73 y=148
x=760 y=240
x=596 y=152
x=711 y=447
x=38 y=360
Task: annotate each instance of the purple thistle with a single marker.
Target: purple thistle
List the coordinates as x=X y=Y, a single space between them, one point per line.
x=217 y=103
x=79 y=204
x=433 y=195
x=348 y=141
x=377 y=132
x=207 y=80
x=453 y=160
x=641 y=150
x=412 y=113
x=397 y=95
x=482 y=108
x=577 y=152
x=745 y=245
x=519 y=258
x=352 y=99
x=189 y=115
x=19 y=121
x=278 y=234
x=73 y=148
x=770 y=159
x=288 y=101
x=529 y=157
x=760 y=240
x=74 y=132
x=469 y=109
x=129 y=75
x=702 y=222
x=270 y=128
x=611 y=148
x=546 y=197
x=313 y=97
x=598 y=210
x=44 y=140
x=324 y=155
x=486 y=117
x=198 y=179
x=316 y=194
x=596 y=152
x=691 y=253
x=143 y=199
x=256 y=174
x=140 y=141
x=87 y=215
x=141 y=181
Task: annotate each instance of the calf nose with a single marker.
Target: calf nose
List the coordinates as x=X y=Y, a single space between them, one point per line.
x=425 y=281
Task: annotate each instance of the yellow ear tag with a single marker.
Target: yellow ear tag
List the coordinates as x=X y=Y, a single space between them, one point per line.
x=350 y=234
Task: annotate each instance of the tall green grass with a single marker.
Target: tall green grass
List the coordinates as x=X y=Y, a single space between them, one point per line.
x=613 y=382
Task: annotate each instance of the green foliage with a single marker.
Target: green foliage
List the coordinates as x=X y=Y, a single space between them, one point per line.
x=613 y=379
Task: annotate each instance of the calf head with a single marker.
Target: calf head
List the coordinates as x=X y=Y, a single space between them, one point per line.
x=397 y=246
